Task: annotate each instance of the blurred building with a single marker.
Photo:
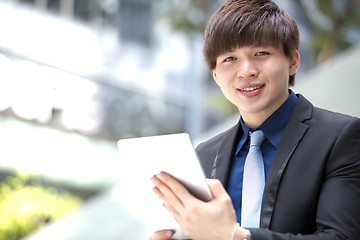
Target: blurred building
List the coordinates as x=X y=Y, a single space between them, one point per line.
x=108 y=69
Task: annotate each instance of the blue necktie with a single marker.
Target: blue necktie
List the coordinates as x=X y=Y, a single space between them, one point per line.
x=253 y=182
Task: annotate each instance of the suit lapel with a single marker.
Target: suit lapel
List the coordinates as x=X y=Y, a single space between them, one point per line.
x=224 y=155
x=293 y=134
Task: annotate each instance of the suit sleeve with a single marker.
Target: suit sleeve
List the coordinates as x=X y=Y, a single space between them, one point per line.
x=338 y=208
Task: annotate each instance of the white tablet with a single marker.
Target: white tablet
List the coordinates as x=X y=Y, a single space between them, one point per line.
x=173 y=154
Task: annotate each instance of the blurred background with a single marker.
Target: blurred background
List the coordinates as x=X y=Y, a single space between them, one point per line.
x=77 y=75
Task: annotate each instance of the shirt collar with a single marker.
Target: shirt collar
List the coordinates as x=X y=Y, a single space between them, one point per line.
x=274 y=126
x=243 y=138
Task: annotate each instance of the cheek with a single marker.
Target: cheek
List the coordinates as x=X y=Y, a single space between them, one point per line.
x=278 y=72
x=223 y=75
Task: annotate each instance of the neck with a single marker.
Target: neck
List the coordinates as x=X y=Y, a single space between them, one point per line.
x=254 y=120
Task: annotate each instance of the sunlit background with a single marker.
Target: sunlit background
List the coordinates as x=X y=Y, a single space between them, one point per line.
x=77 y=75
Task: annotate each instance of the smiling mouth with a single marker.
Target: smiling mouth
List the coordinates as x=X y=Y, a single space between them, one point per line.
x=251 y=89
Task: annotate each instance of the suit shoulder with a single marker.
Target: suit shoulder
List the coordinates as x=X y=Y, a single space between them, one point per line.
x=334 y=120
x=305 y=112
x=214 y=142
x=208 y=151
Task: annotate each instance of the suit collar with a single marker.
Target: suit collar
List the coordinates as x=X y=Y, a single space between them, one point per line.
x=303 y=109
x=294 y=132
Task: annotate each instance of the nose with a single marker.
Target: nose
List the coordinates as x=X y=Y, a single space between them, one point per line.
x=247 y=69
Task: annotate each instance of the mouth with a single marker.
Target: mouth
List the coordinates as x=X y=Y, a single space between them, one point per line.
x=250 y=89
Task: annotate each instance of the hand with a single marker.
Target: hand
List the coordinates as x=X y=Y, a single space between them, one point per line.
x=161 y=235
x=198 y=220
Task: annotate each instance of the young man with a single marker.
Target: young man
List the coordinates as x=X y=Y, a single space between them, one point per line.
x=311 y=157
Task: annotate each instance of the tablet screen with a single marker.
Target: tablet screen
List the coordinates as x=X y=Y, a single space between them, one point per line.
x=173 y=154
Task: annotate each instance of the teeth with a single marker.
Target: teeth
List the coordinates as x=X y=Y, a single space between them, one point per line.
x=250 y=89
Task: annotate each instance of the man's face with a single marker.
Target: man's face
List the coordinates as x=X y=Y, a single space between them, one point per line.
x=255 y=79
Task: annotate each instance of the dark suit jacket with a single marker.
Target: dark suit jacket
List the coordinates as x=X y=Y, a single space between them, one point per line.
x=313 y=186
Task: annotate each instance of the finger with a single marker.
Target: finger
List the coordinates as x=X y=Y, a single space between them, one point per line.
x=161 y=235
x=158 y=193
x=169 y=207
x=216 y=187
x=166 y=194
x=177 y=188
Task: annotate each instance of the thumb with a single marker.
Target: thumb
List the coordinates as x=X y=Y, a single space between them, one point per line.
x=216 y=187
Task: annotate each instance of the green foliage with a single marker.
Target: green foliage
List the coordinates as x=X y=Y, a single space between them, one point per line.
x=221 y=105
x=337 y=29
x=186 y=15
x=25 y=208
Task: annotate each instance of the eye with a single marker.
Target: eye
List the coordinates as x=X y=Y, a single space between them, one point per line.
x=262 y=53
x=229 y=59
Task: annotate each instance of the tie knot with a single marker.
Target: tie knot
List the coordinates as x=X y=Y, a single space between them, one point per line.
x=256 y=138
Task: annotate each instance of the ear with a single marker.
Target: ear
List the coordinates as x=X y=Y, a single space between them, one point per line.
x=294 y=62
x=215 y=75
